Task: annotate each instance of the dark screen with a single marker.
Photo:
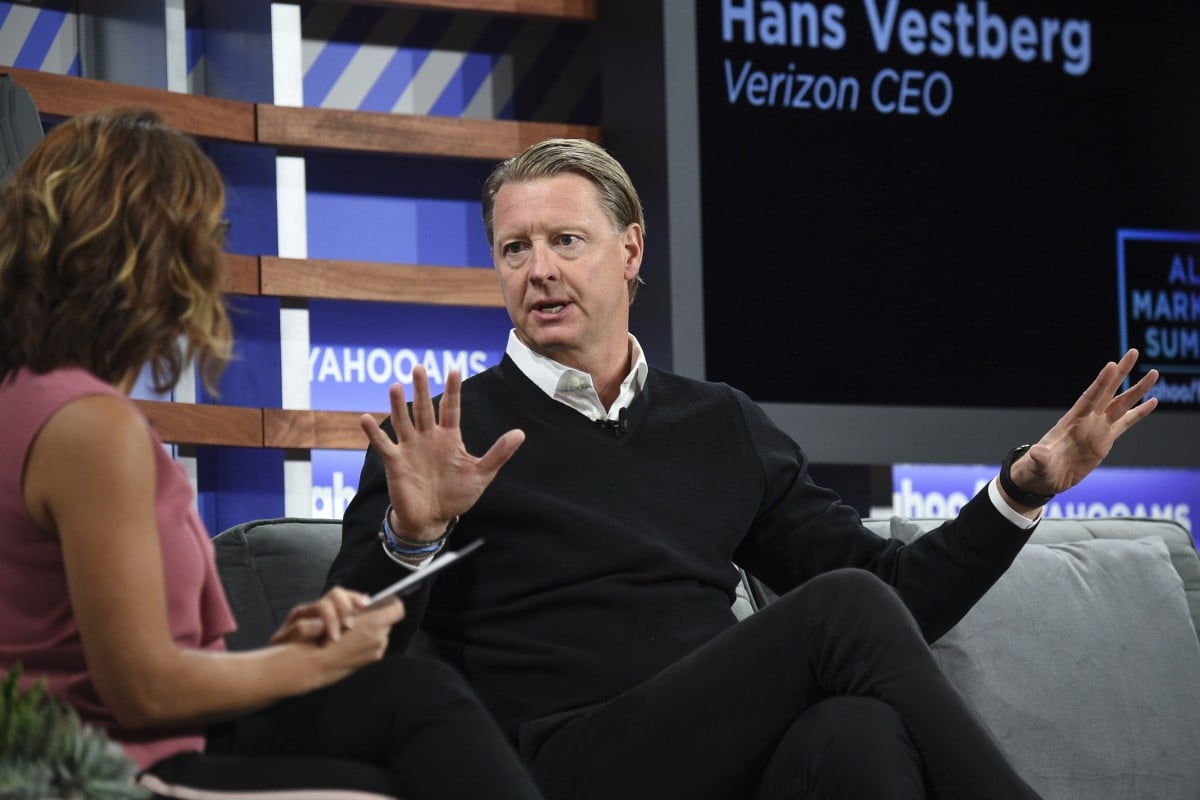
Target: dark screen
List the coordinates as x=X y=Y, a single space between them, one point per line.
x=948 y=229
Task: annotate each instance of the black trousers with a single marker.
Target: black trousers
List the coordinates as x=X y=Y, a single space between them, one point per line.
x=404 y=726
x=829 y=692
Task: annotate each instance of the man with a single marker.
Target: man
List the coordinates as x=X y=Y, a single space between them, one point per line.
x=595 y=623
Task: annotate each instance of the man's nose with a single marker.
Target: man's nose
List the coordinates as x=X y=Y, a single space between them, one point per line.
x=542 y=264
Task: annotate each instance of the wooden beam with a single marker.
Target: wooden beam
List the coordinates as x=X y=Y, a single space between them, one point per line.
x=372 y=281
x=324 y=430
x=239 y=274
x=206 y=117
x=583 y=10
x=196 y=423
x=379 y=132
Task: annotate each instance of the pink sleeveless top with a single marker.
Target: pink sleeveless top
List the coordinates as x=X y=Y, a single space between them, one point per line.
x=37 y=625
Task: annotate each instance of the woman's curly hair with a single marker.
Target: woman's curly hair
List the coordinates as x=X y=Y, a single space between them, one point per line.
x=110 y=248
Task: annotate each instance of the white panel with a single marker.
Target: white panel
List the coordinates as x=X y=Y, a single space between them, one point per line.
x=297 y=487
x=292 y=222
x=293 y=351
x=285 y=54
x=176 y=30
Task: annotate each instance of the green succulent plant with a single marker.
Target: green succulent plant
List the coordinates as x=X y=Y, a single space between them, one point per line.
x=46 y=752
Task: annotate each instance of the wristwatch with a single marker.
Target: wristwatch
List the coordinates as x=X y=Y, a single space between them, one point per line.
x=1019 y=495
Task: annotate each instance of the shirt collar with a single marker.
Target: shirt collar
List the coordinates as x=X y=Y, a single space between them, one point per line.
x=573 y=387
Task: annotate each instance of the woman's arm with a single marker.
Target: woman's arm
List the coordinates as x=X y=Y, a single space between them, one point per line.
x=89 y=480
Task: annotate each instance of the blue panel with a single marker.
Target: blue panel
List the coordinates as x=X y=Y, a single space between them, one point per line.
x=358 y=350
x=1159 y=309
x=237 y=38
x=394 y=209
x=194 y=36
x=924 y=490
x=334 y=481
x=253 y=377
x=238 y=484
x=249 y=173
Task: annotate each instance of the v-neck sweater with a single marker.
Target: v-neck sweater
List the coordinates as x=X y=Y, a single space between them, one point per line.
x=609 y=555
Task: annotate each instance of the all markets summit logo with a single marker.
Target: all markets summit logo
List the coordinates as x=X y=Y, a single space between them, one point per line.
x=784 y=33
x=1158 y=285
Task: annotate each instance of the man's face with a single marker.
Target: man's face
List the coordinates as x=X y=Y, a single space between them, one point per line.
x=564 y=270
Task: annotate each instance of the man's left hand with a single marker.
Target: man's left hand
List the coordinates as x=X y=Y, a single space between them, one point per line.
x=1083 y=437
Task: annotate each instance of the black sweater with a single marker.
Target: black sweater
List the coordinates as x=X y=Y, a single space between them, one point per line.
x=609 y=557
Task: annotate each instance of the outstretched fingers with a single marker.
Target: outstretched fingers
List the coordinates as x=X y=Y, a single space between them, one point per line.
x=422 y=405
x=402 y=423
x=450 y=409
x=1101 y=396
x=499 y=453
x=1127 y=409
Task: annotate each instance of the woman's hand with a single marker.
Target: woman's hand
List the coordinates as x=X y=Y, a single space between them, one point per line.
x=323 y=619
x=362 y=642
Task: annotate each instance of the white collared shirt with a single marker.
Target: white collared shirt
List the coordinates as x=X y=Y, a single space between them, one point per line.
x=574 y=388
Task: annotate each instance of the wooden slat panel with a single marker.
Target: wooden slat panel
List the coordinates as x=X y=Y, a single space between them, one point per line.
x=206 y=117
x=584 y=10
x=326 y=430
x=188 y=423
x=239 y=274
x=377 y=132
x=392 y=283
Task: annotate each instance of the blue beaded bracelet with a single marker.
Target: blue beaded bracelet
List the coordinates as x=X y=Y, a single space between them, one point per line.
x=408 y=549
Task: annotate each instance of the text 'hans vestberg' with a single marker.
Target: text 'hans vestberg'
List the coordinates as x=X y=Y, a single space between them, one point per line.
x=970 y=31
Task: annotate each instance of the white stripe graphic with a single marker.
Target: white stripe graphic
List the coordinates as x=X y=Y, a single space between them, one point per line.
x=65 y=47
x=15 y=31
x=369 y=62
x=440 y=66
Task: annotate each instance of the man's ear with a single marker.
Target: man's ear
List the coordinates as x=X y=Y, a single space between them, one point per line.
x=631 y=240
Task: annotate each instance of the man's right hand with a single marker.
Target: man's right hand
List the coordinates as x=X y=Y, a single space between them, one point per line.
x=431 y=477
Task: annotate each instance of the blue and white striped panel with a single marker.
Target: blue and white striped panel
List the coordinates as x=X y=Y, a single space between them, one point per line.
x=398 y=60
x=42 y=36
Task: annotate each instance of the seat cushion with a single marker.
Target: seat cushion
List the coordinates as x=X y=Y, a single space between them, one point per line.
x=1084 y=663
x=267 y=567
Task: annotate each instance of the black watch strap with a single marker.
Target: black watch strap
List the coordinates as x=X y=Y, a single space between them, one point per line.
x=1019 y=495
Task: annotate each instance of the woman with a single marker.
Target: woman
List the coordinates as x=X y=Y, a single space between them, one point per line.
x=110 y=242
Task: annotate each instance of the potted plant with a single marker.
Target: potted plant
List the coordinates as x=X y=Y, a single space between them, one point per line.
x=46 y=752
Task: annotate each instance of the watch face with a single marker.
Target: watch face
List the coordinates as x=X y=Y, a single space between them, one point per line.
x=1017 y=452
x=1025 y=498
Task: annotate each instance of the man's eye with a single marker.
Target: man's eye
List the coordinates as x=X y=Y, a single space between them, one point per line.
x=568 y=239
x=512 y=248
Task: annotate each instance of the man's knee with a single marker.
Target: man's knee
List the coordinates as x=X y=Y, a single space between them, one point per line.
x=845 y=747
x=848 y=594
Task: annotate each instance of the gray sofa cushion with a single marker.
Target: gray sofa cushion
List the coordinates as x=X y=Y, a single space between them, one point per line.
x=267 y=567
x=1055 y=531
x=1083 y=661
